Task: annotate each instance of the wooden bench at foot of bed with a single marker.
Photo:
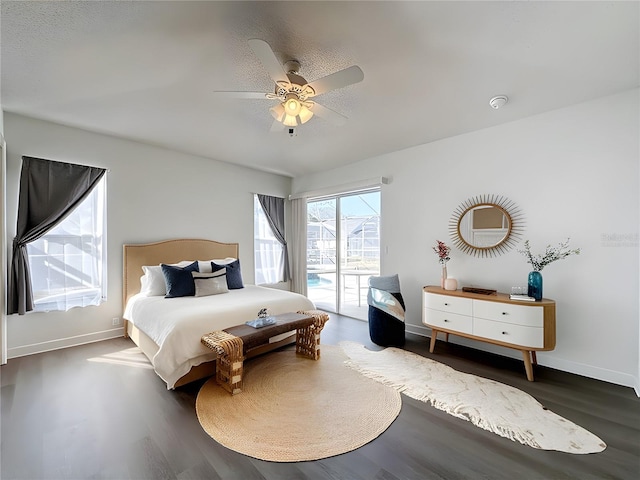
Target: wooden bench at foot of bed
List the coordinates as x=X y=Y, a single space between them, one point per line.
x=233 y=344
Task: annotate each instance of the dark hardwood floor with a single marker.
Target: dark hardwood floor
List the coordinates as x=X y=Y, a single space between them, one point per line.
x=98 y=412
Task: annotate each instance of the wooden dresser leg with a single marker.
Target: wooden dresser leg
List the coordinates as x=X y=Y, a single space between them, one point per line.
x=533 y=357
x=434 y=336
x=526 y=355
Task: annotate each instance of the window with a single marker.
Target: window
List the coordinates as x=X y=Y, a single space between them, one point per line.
x=269 y=252
x=68 y=264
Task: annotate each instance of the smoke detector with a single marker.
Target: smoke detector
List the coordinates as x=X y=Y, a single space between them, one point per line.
x=498 y=101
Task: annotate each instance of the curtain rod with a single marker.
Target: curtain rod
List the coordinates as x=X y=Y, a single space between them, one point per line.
x=275 y=196
x=344 y=188
x=107 y=170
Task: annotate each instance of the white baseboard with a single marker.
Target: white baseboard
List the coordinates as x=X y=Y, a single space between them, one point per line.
x=23 y=350
x=418 y=330
x=590 y=371
x=611 y=376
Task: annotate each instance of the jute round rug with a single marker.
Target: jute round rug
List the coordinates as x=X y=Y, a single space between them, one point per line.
x=295 y=409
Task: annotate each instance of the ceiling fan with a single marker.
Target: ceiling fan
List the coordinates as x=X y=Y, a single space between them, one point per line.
x=293 y=92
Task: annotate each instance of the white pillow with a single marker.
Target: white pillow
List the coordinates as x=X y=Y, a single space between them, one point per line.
x=205 y=265
x=152 y=283
x=212 y=283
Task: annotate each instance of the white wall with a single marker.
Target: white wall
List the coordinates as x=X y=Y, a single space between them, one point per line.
x=3 y=250
x=153 y=194
x=3 y=254
x=575 y=173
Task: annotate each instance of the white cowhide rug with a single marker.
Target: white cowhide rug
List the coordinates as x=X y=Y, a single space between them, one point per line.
x=490 y=405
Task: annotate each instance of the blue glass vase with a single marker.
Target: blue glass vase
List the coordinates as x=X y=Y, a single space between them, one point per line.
x=535 y=285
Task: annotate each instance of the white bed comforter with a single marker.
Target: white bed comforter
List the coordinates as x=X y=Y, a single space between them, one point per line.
x=177 y=324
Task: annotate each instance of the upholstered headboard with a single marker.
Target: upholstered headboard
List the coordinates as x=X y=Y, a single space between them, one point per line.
x=168 y=251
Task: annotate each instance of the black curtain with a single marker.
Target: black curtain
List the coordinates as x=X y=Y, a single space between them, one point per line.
x=274 y=210
x=49 y=191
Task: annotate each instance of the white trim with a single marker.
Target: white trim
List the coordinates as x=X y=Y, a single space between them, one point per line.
x=344 y=188
x=4 y=281
x=597 y=373
x=74 y=341
x=418 y=330
x=298 y=246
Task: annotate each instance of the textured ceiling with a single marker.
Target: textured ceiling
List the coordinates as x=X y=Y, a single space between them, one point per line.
x=147 y=71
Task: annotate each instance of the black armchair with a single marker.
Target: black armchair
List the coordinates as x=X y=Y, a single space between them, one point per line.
x=386 y=311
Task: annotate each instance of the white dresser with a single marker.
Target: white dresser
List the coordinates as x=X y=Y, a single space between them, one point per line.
x=522 y=325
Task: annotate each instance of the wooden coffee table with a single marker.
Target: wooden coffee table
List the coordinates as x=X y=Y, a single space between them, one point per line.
x=233 y=344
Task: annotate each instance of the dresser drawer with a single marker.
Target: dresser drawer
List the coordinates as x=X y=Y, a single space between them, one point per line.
x=532 y=337
x=448 y=320
x=446 y=303
x=525 y=315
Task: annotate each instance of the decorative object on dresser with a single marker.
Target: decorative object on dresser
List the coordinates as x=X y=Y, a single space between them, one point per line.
x=442 y=250
x=450 y=284
x=538 y=262
x=522 y=298
x=525 y=326
x=486 y=225
x=295 y=410
x=481 y=291
x=490 y=405
x=520 y=293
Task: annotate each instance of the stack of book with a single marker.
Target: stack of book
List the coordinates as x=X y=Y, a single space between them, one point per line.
x=526 y=298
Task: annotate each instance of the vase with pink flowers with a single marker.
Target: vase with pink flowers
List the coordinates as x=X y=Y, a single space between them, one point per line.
x=442 y=250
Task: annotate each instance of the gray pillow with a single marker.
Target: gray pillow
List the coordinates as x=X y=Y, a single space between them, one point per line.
x=389 y=283
x=210 y=283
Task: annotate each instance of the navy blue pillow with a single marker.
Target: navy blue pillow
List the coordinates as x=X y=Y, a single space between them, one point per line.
x=234 y=275
x=179 y=280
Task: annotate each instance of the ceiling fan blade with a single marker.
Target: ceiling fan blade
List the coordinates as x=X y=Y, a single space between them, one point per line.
x=248 y=95
x=330 y=115
x=340 y=79
x=265 y=54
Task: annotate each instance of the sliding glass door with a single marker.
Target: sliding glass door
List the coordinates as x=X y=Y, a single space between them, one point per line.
x=343 y=250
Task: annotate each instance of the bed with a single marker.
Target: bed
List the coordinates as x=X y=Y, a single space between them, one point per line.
x=168 y=330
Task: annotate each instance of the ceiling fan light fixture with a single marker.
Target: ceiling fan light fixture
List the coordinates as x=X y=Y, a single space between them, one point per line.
x=293 y=92
x=292 y=104
x=290 y=120
x=305 y=114
x=277 y=112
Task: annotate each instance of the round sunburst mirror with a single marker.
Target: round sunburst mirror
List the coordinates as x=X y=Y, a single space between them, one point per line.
x=486 y=225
